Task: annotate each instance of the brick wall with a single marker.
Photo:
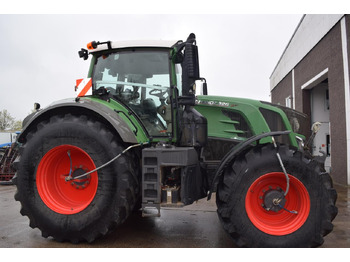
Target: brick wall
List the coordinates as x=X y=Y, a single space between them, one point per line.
x=326 y=54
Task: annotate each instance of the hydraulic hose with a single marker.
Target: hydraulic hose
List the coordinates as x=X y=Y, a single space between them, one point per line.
x=281 y=163
x=69 y=178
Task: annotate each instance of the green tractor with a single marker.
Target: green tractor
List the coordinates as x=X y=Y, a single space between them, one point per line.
x=137 y=137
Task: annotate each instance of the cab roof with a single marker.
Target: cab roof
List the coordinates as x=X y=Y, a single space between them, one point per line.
x=136 y=43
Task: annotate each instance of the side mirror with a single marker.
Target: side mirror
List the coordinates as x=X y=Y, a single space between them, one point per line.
x=203 y=87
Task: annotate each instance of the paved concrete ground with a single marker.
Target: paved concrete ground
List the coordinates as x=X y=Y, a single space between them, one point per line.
x=192 y=226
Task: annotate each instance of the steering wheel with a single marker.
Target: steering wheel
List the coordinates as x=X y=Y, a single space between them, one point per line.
x=158 y=93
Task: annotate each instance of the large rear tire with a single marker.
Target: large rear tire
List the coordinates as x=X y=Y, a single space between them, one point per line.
x=82 y=209
x=247 y=206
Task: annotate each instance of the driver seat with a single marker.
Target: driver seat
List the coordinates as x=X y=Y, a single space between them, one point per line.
x=149 y=107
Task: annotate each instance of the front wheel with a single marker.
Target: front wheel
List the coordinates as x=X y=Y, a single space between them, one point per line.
x=255 y=211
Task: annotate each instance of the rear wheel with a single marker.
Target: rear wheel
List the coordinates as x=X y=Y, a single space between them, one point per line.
x=81 y=209
x=254 y=210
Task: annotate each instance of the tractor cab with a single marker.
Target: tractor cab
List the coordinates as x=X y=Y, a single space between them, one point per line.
x=154 y=81
x=139 y=79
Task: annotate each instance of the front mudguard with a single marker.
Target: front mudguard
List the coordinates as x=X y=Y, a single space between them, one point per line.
x=236 y=151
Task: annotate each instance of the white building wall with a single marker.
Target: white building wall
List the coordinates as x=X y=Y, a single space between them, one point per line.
x=311 y=29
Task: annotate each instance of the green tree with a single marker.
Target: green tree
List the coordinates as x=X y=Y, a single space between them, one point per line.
x=6 y=120
x=17 y=125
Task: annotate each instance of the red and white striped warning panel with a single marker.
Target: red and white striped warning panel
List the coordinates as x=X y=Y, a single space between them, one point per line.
x=84 y=87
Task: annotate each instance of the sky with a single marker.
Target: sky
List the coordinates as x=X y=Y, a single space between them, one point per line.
x=39 y=53
x=239 y=45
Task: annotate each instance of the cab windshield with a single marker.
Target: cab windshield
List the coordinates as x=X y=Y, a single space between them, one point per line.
x=141 y=80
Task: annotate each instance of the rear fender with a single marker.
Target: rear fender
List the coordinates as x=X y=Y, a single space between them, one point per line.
x=235 y=151
x=80 y=107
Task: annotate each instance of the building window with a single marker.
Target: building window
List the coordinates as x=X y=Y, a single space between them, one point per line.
x=289 y=101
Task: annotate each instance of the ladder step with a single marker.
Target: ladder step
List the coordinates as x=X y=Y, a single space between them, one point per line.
x=150 y=210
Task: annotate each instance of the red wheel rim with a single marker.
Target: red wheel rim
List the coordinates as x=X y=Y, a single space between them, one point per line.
x=61 y=196
x=281 y=222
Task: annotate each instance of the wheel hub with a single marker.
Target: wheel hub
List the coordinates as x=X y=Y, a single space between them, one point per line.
x=274 y=200
x=80 y=183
